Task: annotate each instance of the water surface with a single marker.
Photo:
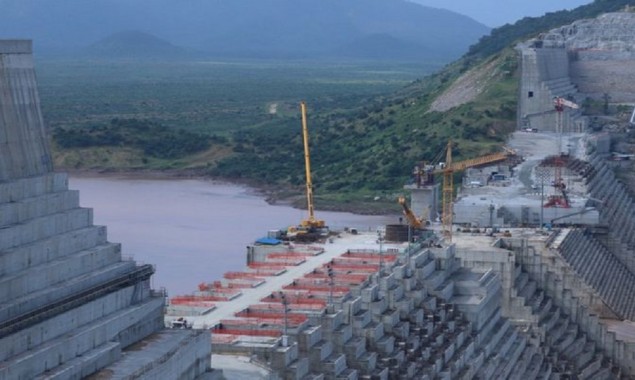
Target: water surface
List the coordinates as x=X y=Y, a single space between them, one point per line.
x=192 y=230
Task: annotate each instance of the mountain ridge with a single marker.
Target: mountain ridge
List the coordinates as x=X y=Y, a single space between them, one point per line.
x=240 y=27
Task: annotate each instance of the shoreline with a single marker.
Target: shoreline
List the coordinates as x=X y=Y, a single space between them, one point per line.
x=272 y=195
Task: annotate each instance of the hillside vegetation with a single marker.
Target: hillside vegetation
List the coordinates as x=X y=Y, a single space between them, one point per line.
x=367 y=149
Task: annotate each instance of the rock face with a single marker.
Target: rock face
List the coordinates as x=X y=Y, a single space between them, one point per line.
x=70 y=306
x=609 y=32
x=601 y=55
x=586 y=59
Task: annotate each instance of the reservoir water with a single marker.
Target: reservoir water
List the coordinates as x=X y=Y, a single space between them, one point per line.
x=193 y=231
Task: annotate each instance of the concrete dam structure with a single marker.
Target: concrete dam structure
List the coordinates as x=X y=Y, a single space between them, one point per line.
x=514 y=302
x=508 y=298
x=70 y=306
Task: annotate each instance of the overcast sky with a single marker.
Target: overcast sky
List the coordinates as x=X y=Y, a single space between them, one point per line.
x=495 y=13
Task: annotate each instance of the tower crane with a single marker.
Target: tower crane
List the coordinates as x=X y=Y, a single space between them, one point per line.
x=311 y=222
x=448 y=171
x=561 y=199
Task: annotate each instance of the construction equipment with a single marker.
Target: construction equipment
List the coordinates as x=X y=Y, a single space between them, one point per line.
x=560 y=199
x=448 y=170
x=311 y=221
x=560 y=104
x=410 y=216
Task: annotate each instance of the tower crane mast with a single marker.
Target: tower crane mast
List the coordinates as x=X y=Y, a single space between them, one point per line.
x=561 y=199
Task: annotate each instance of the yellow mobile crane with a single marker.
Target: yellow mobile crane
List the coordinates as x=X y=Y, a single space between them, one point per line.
x=311 y=222
x=410 y=216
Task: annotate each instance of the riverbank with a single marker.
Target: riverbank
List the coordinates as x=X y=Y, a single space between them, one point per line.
x=360 y=204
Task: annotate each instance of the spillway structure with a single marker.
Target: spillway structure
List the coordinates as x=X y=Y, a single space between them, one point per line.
x=70 y=306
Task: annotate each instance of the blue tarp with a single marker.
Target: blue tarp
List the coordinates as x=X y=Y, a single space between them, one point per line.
x=268 y=241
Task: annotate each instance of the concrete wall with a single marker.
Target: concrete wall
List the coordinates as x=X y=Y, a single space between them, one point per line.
x=577 y=300
x=535 y=99
x=24 y=149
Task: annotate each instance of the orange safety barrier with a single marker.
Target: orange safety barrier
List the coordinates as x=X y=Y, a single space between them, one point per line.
x=365 y=268
x=267 y=272
x=323 y=278
x=223 y=339
x=207 y=304
x=334 y=288
x=296 y=300
x=271 y=318
x=185 y=299
x=269 y=333
x=242 y=275
x=255 y=322
x=293 y=261
x=267 y=265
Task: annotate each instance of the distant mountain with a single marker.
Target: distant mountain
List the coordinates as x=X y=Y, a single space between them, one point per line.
x=259 y=28
x=134 y=44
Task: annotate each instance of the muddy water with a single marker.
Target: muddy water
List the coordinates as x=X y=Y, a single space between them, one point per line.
x=191 y=230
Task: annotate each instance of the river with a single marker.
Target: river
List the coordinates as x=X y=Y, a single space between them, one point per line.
x=193 y=231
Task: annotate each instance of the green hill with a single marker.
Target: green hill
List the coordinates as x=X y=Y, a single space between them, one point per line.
x=369 y=150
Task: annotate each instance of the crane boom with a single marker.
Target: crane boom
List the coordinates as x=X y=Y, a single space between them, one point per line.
x=311 y=221
x=412 y=219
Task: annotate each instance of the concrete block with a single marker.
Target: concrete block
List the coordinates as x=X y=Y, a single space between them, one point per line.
x=399 y=271
x=390 y=318
x=362 y=319
x=55 y=342
x=374 y=331
x=394 y=295
x=341 y=335
x=370 y=293
x=318 y=353
x=416 y=317
x=385 y=345
x=87 y=364
x=365 y=363
x=44 y=227
x=41 y=251
x=355 y=348
x=56 y=271
x=282 y=357
x=332 y=321
x=387 y=281
x=334 y=365
x=378 y=307
x=309 y=337
x=298 y=369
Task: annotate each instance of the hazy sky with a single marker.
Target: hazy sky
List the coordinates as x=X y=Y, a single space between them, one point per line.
x=499 y=12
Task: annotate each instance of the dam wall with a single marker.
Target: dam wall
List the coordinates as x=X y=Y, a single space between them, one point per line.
x=70 y=306
x=545 y=75
x=24 y=151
